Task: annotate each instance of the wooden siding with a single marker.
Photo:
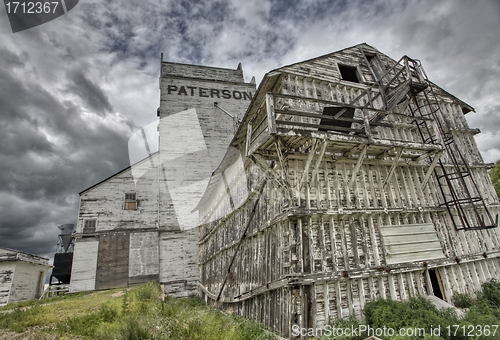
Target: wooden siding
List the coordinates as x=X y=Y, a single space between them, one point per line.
x=321 y=241
x=28 y=282
x=83 y=270
x=162 y=235
x=22 y=276
x=144 y=257
x=112 y=269
x=178 y=265
x=410 y=242
x=6 y=278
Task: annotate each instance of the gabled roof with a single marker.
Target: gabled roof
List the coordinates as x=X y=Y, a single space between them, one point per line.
x=11 y=255
x=270 y=79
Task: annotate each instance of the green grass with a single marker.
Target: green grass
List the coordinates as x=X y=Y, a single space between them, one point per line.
x=133 y=314
x=419 y=313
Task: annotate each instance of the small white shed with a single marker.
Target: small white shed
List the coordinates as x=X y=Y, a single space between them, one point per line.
x=22 y=276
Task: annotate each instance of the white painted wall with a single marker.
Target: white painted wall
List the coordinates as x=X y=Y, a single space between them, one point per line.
x=28 y=281
x=84 y=267
x=7 y=270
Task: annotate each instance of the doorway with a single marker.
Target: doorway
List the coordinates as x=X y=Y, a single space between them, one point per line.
x=436 y=284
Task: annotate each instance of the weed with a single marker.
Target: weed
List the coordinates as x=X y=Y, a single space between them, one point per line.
x=462 y=300
x=491 y=292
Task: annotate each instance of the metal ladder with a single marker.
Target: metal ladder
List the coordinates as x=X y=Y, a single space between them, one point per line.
x=400 y=86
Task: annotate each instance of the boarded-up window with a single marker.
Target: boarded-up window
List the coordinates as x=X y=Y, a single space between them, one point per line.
x=411 y=242
x=130 y=201
x=89 y=226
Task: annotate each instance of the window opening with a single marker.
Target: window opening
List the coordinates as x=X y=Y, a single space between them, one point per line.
x=89 y=226
x=130 y=201
x=349 y=73
x=344 y=121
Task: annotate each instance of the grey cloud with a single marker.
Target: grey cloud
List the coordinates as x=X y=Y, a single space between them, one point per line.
x=61 y=83
x=91 y=93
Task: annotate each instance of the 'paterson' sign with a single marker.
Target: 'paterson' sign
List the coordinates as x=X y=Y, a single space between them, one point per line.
x=207 y=93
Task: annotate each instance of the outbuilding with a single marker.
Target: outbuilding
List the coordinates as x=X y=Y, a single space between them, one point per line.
x=22 y=276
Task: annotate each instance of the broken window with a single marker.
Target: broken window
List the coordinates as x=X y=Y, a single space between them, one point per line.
x=130 y=201
x=349 y=73
x=89 y=226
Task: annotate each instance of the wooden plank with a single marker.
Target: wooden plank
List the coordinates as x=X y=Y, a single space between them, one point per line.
x=113 y=261
x=358 y=165
x=394 y=164
x=308 y=164
x=271 y=115
x=318 y=161
x=249 y=140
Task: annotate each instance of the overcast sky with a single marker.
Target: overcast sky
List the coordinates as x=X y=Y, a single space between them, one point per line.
x=72 y=91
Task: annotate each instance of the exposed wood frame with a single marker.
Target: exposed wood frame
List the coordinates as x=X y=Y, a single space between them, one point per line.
x=308 y=163
x=318 y=161
x=250 y=218
x=431 y=169
x=278 y=144
x=266 y=169
x=358 y=165
x=271 y=115
x=393 y=166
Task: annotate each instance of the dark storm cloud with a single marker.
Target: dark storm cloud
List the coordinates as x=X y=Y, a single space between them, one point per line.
x=57 y=136
x=74 y=90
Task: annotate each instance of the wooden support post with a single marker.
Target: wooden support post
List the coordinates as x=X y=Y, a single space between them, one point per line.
x=249 y=140
x=431 y=169
x=394 y=164
x=281 y=159
x=358 y=165
x=271 y=115
x=318 y=160
x=354 y=150
x=228 y=190
x=386 y=153
x=308 y=163
x=367 y=126
x=250 y=218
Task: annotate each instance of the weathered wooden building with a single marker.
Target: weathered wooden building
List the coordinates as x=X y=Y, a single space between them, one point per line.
x=138 y=224
x=22 y=276
x=351 y=177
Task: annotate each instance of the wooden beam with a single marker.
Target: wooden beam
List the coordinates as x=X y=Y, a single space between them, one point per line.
x=278 y=144
x=367 y=126
x=358 y=165
x=394 y=164
x=426 y=155
x=250 y=218
x=321 y=116
x=267 y=170
x=271 y=115
x=431 y=169
x=318 y=160
x=228 y=190
x=354 y=150
x=308 y=163
x=249 y=140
